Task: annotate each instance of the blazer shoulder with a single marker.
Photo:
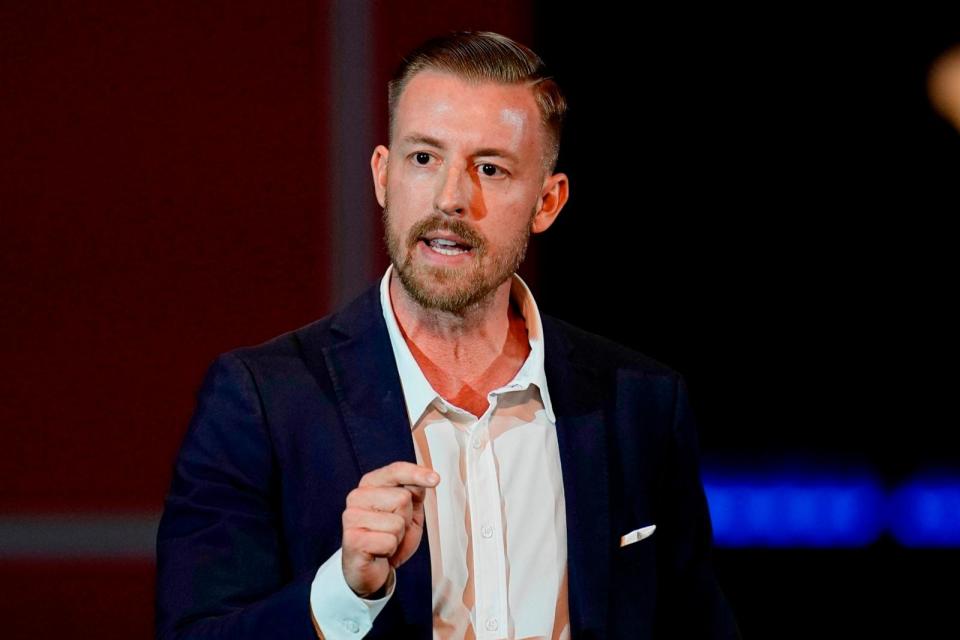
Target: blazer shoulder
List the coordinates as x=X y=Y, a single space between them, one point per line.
x=284 y=353
x=287 y=343
x=354 y=319
x=600 y=352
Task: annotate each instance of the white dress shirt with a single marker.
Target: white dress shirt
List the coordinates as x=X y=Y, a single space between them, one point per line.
x=496 y=522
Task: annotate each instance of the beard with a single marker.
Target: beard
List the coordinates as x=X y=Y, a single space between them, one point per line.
x=453 y=289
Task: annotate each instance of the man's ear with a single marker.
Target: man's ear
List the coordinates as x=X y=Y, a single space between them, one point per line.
x=556 y=190
x=378 y=164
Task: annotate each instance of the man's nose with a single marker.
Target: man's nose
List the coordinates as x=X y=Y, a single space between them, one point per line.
x=453 y=195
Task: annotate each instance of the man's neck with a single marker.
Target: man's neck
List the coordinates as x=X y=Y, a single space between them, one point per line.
x=483 y=347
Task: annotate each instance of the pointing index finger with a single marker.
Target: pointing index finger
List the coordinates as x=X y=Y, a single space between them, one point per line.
x=398 y=474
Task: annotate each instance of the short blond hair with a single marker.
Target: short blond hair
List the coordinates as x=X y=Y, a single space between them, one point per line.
x=484 y=56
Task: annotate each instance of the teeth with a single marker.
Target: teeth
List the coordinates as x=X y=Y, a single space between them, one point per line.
x=447 y=252
x=443 y=241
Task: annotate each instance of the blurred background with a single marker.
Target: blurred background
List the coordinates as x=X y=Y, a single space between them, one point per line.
x=759 y=200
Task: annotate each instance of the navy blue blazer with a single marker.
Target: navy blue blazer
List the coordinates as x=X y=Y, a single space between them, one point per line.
x=284 y=430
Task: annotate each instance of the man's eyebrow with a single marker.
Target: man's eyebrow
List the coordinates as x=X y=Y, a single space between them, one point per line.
x=417 y=138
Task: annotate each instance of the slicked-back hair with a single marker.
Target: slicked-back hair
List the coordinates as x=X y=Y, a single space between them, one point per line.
x=484 y=56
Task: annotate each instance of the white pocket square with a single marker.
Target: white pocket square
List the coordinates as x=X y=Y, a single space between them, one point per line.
x=637 y=535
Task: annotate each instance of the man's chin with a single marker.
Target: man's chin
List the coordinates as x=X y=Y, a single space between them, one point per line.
x=443 y=299
x=441 y=288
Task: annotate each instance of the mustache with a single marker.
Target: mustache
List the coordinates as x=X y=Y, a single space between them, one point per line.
x=452 y=225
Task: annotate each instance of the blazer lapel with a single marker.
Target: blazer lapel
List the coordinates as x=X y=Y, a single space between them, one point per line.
x=365 y=378
x=576 y=393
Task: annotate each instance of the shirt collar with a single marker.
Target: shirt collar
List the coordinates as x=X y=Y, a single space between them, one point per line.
x=417 y=390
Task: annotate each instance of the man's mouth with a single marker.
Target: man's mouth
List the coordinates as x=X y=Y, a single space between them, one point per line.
x=446 y=247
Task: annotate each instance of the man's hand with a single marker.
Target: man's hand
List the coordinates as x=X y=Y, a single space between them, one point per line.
x=383 y=523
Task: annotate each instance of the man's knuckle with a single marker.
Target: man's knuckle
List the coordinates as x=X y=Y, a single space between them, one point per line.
x=390 y=544
x=350 y=516
x=395 y=500
x=349 y=538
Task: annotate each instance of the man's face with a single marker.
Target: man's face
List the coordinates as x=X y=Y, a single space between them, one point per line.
x=465 y=164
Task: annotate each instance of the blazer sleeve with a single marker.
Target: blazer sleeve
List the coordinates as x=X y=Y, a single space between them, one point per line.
x=692 y=604
x=222 y=570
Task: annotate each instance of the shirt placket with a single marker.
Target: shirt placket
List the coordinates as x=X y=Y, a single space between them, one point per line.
x=489 y=554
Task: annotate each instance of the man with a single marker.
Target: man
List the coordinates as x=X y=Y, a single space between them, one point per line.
x=555 y=472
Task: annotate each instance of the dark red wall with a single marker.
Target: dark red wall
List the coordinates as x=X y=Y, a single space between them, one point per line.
x=163 y=191
x=163 y=197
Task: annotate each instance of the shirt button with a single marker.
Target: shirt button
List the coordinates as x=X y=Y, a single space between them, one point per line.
x=491 y=624
x=351 y=626
x=477 y=443
x=486 y=531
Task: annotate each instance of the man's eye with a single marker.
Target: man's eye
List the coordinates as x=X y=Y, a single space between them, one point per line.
x=491 y=170
x=421 y=157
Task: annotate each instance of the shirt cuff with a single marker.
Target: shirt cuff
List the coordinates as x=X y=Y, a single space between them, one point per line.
x=340 y=613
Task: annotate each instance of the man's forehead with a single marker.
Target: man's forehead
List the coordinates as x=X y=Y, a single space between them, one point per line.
x=433 y=100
